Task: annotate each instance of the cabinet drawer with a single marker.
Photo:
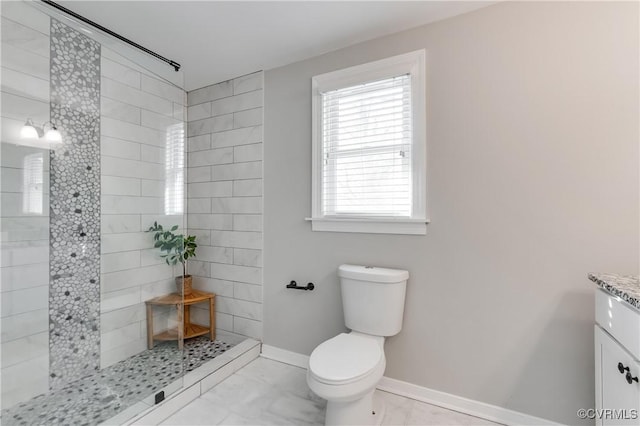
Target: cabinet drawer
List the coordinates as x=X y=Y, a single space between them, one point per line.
x=619 y=320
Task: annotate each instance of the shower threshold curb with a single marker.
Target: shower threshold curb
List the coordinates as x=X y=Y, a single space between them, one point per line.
x=189 y=387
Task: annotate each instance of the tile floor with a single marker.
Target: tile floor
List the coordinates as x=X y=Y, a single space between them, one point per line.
x=267 y=392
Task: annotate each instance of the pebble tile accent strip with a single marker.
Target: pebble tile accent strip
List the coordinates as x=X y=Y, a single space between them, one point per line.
x=626 y=287
x=100 y=396
x=74 y=256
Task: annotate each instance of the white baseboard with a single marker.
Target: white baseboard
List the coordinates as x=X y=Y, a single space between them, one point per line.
x=282 y=355
x=419 y=393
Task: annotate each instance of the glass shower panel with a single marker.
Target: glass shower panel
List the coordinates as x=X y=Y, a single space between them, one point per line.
x=92 y=155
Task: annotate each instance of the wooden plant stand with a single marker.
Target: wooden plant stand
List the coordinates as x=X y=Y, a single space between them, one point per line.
x=183 y=307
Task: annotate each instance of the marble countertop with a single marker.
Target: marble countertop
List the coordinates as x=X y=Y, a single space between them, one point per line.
x=626 y=287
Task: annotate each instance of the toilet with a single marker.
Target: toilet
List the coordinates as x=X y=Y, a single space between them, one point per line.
x=345 y=369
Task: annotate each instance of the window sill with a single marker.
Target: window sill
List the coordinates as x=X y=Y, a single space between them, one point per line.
x=370 y=226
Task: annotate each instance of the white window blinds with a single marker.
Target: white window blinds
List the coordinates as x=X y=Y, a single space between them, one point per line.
x=366 y=149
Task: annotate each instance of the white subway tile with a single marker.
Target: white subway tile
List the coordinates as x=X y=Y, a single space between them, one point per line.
x=113 y=300
x=245 y=153
x=244 y=136
x=198 y=112
x=119 y=280
x=250 y=170
x=127 y=94
x=237 y=103
x=25 y=380
x=120 y=111
x=163 y=89
x=25 y=349
x=198 y=269
x=219 y=287
x=24 y=61
x=199 y=143
x=119 y=353
x=210 y=93
x=160 y=121
x=131 y=168
x=119 y=337
x=209 y=189
x=203 y=236
x=28 y=252
x=249 y=292
x=211 y=157
x=210 y=125
x=153 y=154
x=250 y=240
x=150 y=257
x=246 y=205
x=119 y=73
x=215 y=254
x=112 y=262
x=247 y=309
x=119 y=318
x=131 y=132
x=247 y=257
x=115 y=224
x=247 y=118
x=120 y=204
x=20 y=325
x=247 y=327
x=160 y=288
x=16 y=229
x=198 y=174
x=18 y=107
x=112 y=243
x=119 y=148
x=114 y=185
x=26 y=15
x=199 y=205
x=24 y=276
x=23 y=37
x=31 y=87
x=247 y=188
x=153 y=188
x=248 y=83
x=246 y=274
x=20 y=301
x=166 y=221
x=224 y=321
x=210 y=221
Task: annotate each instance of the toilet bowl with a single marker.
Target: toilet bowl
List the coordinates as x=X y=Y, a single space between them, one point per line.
x=345 y=369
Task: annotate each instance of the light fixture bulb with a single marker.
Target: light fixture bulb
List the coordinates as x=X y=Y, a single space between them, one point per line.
x=53 y=135
x=28 y=131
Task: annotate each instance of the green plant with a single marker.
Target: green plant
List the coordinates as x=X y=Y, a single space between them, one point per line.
x=174 y=247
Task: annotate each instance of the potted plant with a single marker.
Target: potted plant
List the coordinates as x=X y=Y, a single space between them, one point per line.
x=175 y=248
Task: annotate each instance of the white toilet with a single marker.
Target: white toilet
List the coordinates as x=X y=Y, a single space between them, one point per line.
x=345 y=369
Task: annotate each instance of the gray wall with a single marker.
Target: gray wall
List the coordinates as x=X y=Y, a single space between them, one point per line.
x=533 y=182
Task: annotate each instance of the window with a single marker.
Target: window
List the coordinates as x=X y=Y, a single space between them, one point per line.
x=174 y=176
x=33 y=183
x=369 y=149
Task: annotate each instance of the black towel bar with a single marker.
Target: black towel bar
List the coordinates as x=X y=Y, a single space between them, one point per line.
x=294 y=285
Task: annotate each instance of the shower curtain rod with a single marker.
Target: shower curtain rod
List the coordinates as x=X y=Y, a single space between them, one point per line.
x=55 y=5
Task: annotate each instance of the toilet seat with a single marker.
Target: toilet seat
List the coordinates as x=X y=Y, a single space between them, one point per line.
x=345 y=358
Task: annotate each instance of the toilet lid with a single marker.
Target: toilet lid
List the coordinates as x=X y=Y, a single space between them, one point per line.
x=344 y=358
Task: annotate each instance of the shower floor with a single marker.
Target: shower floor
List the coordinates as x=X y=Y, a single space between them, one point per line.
x=100 y=396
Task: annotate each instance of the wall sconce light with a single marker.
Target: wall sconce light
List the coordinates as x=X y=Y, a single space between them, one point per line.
x=48 y=131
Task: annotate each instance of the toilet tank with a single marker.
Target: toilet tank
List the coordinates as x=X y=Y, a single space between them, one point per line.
x=373 y=298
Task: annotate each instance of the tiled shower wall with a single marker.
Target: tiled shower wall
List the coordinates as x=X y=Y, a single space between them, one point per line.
x=142 y=128
x=25 y=225
x=225 y=200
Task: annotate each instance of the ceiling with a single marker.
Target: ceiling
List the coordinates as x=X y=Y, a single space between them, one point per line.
x=218 y=40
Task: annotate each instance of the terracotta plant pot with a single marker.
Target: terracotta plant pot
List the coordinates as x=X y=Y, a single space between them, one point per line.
x=188 y=289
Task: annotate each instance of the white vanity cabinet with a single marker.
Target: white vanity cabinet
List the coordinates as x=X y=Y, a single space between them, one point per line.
x=617 y=354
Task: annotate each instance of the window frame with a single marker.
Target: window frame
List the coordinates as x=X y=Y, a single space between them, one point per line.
x=414 y=64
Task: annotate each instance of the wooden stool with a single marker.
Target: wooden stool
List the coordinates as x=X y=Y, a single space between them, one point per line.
x=183 y=307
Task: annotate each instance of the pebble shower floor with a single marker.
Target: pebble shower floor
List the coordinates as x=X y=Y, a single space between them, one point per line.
x=100 y=396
